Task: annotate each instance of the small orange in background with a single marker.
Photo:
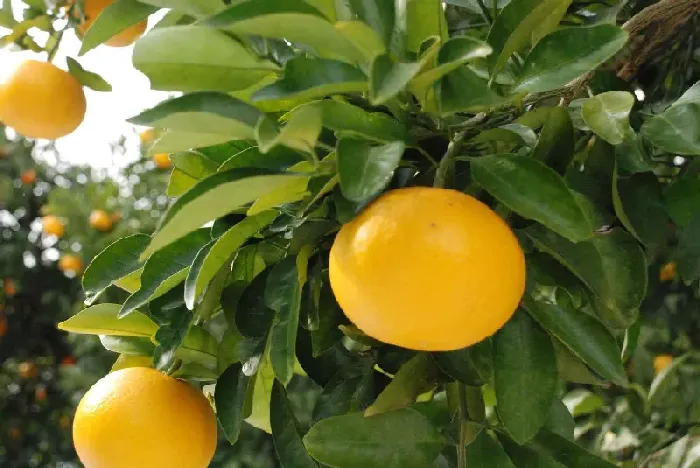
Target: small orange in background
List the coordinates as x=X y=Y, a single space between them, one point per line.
x=115 y=217
x=64 y=423
x=15 y=433
x=661 y=362
x=667 y=272
x=28 y=177
x=9 y=287
x=3 y=152
x=93 y=8
x=162 y=160
x=3 y=326
x=101 y=221
x=70 y=263
x=69 y=361
x=52 y=225
x=27 y=370
x=40 y=393
x=147 y=136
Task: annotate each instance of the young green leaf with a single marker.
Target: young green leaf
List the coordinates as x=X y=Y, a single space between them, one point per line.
x=525 y=376
x=286 y=433
x=424 y=19
x=387 y=78
x=103 y=319
x=87 y=78
x=131 y=345
x=366 y=169
x=114 y=19
x=534 y=191
x=408 y=440
x=607 y=115
x=172 y=141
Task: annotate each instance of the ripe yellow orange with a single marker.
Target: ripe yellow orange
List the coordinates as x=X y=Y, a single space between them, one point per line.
x=28 y=177
x=661 y=362
x=427 y=269
x=139 y=417
x=27 y=370
x=101 y=221
x=9 y=287
x=147 y=136
x=70 y=263
x=40 y=100
x=667 y=272
x=93 y=8
x=162 y=160
x=52 y=225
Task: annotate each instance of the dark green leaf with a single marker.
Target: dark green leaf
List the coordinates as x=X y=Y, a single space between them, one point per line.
x=233 y=400
x=286 y=433
x=555 y=146
x=387 y=78
x=366 y=169
x=462 y=90
x=131 y=345
x=115 y=18
x=568 y=53
x=677 y=130
x=534 y=191
x=114 y=262
x=276 y=159
x=683 y=199
x=638 y=204
x=523 y=456
x=525 y=376
x=486 y=452
x=460 y=366
x=607 y=115
x=568 y=453
x=688 y=252
x=560 y=421
x=352 y=121
x=408 y=440
x=87 y=78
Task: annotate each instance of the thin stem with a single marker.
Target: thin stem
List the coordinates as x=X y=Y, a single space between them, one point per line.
x=463 y=420
x=447 y=162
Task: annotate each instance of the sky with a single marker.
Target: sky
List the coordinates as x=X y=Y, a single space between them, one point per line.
x=105 y=120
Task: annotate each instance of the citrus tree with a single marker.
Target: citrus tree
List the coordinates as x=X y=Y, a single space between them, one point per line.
x=444 y=215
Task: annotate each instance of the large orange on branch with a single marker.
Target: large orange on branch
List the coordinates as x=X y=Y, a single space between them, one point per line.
x=93 y=8
x=140 y=417
x=427 y=269
x=39 y=100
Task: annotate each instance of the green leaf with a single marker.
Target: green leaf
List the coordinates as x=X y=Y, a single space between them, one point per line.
x=417 y=376
x=305 y=79
x=424 y=19
x=103 y=319
x=197 y=58
x=131 y=345
x=221 y=252
x=165 y=269
x=462 y=90
x=292 y=20
x=525 y=457
x=688 y=252
x=387 y=78
x=115 y=262
x=87 y=78
x=568 y=453
x=233 y=399
x=179 y=183
x=525 y=376
x=408 y=440
x=611 y=265
x=683 y=199
x=534 y=191
x=568 y=53
x=550 y=23
x=461 y=365
x=555 y=146
x=194 y=164
x=117 y=17
x=363 y=37
x=607 y=115
x=638 y=204
x=262 y=391
x=203 y=112
x=486 y=452
x=286 y=432
x=677 y=130
x=586 y=337
x=276 y=159
x=352 y=121
x=513 y=28
x=663 y=381
x=560 y=420
x=283 y=295
x=378 y=14
x=366 y=169
x=172 y=141
x=195 y=8
x=581 y=401
x=212 y=198
x=198 y=346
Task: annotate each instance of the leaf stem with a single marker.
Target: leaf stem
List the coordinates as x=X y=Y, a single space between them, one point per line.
x=463 y=420
x=485 y=11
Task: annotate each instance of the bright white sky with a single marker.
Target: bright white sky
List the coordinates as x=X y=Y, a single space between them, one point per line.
x=106 y=116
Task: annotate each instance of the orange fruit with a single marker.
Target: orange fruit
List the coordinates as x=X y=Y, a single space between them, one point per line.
x=70 y=263
x=64 y=422
x=101 y=221
x=661 y=362
x=52 y=225
x=40 y=393
x=427 y=269
x=27 y=370
x=9 y=287
x=147 y=136
x=28 y=177
x=93 y=8
x=40 y=100
x=162 y=160
x=69 y=361
x=3 y=326
x=15 y=433
x=115 y=217
x=141 y=417
x=667 y=272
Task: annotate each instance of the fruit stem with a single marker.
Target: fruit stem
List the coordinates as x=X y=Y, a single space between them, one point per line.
x=463 y=420
x=446 y=166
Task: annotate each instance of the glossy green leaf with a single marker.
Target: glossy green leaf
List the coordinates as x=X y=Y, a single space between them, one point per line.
x=277 y=159
x=233 y=399
x=586 y=337
x=212 y=198
x=262 y=391
x=677 y=130
x=534 y=191
x=424 y=19
x=203 y=112
x=607 y=115
x=568 y=53
x=179 y=183
x=300 y=131
x=464 y=364
x=525 y=376
x=417 y=376
x=165 y=269
x=513 y=28
x=115 y=18
x=366 y=169
x=103 y=319
x=198 y=346
x=524 y=456
x=555 y=145
x=581 y=401
x=560 y=420
x=292 y=20
x=352 y=121
x=611 y=265
x=194 y=164
x=221 y=252
x=550 y=23
x=196 y=8
x=486 y=452
x=408 y=440
x=380 y=15
x=286 y=432
x=114 y=262
x=305 y=79
x=172 y=141
x=639 y=205
x=197 y=58
x=363 y=37
x=387 y=78
x=462 y=90
x=131 y=345
x=688 y=251
x=568 y=453
x=683 y=199
x=87 y=78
